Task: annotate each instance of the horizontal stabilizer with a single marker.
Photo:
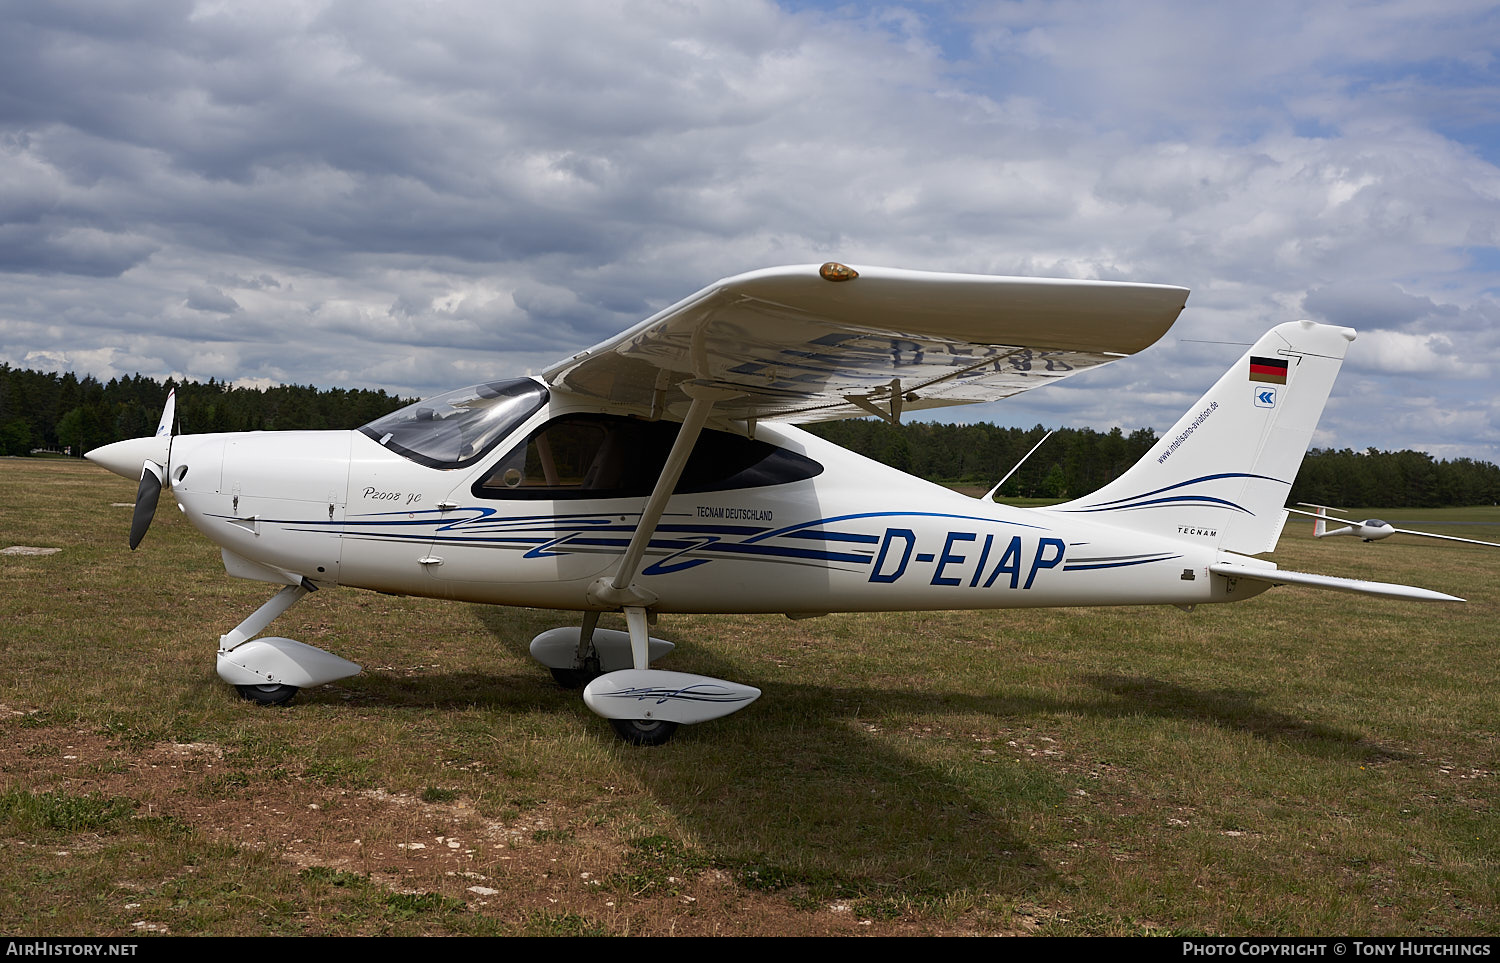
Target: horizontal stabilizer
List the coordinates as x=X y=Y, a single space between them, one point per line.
x=1280 y=577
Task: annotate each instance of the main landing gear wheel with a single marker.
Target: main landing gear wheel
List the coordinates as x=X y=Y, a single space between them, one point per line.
x=643 y=732
x=575 y=678
x=268 y=695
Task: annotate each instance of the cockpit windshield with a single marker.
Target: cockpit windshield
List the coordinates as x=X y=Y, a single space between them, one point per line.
x=453 y=429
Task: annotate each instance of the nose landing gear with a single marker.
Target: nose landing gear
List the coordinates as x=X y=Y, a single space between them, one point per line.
x=270 y=671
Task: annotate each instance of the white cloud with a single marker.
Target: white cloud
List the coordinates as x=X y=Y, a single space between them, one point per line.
x=387 y=195
x=1398 y=352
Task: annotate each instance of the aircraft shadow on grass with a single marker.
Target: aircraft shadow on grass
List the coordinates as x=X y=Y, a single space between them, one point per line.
x=833 y=796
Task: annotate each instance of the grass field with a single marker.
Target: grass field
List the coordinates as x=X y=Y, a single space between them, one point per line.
x=1301 y=763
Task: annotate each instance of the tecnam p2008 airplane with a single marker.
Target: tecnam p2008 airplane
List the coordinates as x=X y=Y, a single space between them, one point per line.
x=658 y=472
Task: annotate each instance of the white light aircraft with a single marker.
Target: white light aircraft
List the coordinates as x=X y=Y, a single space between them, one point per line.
x=1371 y=529
x=659 y=472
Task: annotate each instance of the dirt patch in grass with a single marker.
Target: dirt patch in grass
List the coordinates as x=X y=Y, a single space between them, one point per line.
x=548 y=871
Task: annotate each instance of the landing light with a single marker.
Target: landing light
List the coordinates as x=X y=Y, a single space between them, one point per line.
x=834 y=271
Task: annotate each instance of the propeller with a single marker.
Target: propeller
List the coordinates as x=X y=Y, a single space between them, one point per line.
x=146 y=498
x=153 y=476
x=151 y=457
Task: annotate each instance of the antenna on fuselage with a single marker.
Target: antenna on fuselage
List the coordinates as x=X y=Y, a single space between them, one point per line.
x=991 y=493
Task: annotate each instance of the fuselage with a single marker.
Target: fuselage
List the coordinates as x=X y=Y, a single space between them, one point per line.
x=820 y=530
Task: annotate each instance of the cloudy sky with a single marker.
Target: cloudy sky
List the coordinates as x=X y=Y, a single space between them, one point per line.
x=416 y=196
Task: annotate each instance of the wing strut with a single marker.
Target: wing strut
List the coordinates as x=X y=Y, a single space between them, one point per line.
x=645 y=705
x=621 y=590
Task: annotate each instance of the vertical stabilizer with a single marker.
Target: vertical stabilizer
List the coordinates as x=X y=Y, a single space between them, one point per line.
x=1222 y=473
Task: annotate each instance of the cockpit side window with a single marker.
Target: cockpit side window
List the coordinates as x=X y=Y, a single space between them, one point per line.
x=457 y=428
x=608 y=456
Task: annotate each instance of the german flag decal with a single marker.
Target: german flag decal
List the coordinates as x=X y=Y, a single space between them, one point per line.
x=1269 y=370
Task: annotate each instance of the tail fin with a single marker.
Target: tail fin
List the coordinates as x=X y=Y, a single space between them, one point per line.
x=1224 y=470
x=1320 y=518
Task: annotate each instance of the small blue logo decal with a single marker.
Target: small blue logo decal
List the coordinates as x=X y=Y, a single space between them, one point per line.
x=1265 y=396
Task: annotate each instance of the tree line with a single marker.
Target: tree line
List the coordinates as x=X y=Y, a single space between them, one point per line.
x=52 y=412
x=46 y=411
x=1077 y=461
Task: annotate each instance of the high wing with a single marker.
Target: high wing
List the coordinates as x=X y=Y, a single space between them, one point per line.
x=818 y=343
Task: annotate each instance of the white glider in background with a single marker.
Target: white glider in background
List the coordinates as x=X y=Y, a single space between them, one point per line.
x=659 y=472
x=1371 y=529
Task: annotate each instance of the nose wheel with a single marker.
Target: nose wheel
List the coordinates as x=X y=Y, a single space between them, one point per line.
x=268 y=695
